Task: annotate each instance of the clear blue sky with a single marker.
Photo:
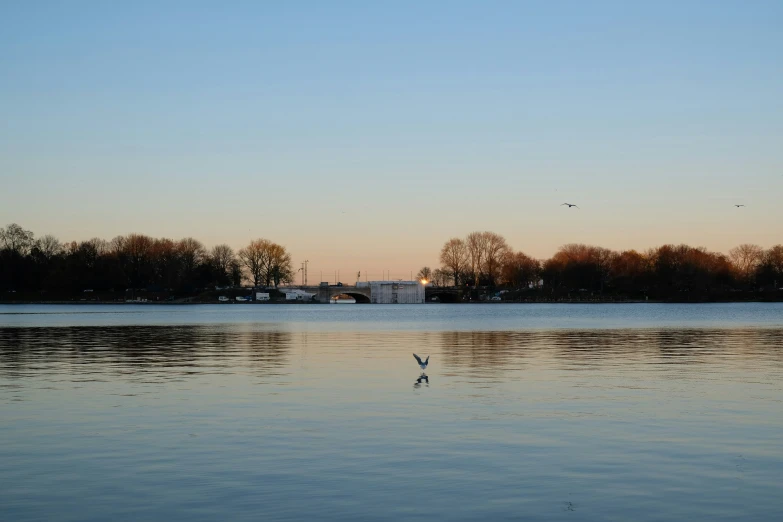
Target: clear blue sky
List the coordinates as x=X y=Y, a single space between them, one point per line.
x=362 y=135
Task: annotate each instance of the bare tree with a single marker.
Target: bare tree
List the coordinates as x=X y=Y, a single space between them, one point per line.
x=603 y=258
x=746 y=258
x=441 y=277
x=574 y=252
x=221 y=257
x=89 y=251
x=134 y=253
x=166 y=262
x=117 y=245
x=191 y=252
x=236 y=273
x=267 y=262
x=425 y=274
x=519 y=269
x=495 y=248
x=628 y=265
x=774 y=256
x=476 y=245
x=281 y=268
x=48 y=246
x=255 y=258
x=584 y=266
x=16 y=239
x=454 y=258
x=101 y=246
x=138 y=247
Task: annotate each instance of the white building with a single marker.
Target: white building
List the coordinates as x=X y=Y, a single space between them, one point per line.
x=397 y=292
x=262 y=296
x=296 y=294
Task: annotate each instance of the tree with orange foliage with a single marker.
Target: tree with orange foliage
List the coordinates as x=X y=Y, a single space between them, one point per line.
x=519 y=269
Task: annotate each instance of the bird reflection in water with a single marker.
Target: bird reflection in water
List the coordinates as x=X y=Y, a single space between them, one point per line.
x=422 y=378
x=423 y=365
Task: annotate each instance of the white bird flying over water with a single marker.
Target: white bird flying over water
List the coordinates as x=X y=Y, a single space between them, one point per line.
x=569 y=205
x=422 y=365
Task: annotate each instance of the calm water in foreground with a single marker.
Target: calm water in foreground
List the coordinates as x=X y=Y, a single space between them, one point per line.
x=532 y=412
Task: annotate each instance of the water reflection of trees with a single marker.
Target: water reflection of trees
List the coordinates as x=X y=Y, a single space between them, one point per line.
x=182 y=350
x=585 y=349
x=140 y=349
x=484 y=350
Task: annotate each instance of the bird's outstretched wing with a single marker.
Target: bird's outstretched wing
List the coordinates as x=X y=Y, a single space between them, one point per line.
x=418 y=358
x=564 y=204
x=428 y=360
x=577 y=206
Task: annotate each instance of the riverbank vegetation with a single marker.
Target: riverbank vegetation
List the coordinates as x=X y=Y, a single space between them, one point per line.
x=46 y=269
x=482 y=263
x=485 y=260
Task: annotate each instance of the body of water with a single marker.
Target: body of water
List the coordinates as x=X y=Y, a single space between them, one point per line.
x=317 y=412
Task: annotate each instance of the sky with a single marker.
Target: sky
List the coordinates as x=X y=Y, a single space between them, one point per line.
x=363 y=135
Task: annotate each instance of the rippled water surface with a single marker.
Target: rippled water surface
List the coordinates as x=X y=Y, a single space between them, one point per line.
x=252 y=412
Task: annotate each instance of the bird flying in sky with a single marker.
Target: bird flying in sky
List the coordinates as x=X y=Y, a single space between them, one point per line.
x=569 y=205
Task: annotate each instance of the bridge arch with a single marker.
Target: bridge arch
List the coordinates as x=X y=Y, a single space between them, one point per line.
x=443 y=295
x=360 y=297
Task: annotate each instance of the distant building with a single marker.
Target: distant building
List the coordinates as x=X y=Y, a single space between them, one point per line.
x=262 y=296
x=296 y=294
x=396 y=292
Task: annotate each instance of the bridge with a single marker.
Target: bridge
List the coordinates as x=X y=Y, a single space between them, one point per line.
x=363 y=294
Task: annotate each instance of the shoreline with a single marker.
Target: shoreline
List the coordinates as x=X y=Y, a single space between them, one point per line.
x=299 y=303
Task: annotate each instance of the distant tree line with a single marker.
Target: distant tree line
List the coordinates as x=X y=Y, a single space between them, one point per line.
x=484 y=259
x=135 y=261
x=479 y=260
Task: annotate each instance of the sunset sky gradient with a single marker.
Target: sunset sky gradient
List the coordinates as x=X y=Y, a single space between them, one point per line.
x=363 y=135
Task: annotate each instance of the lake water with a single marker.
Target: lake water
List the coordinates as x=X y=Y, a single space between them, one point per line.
x=313 y=412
